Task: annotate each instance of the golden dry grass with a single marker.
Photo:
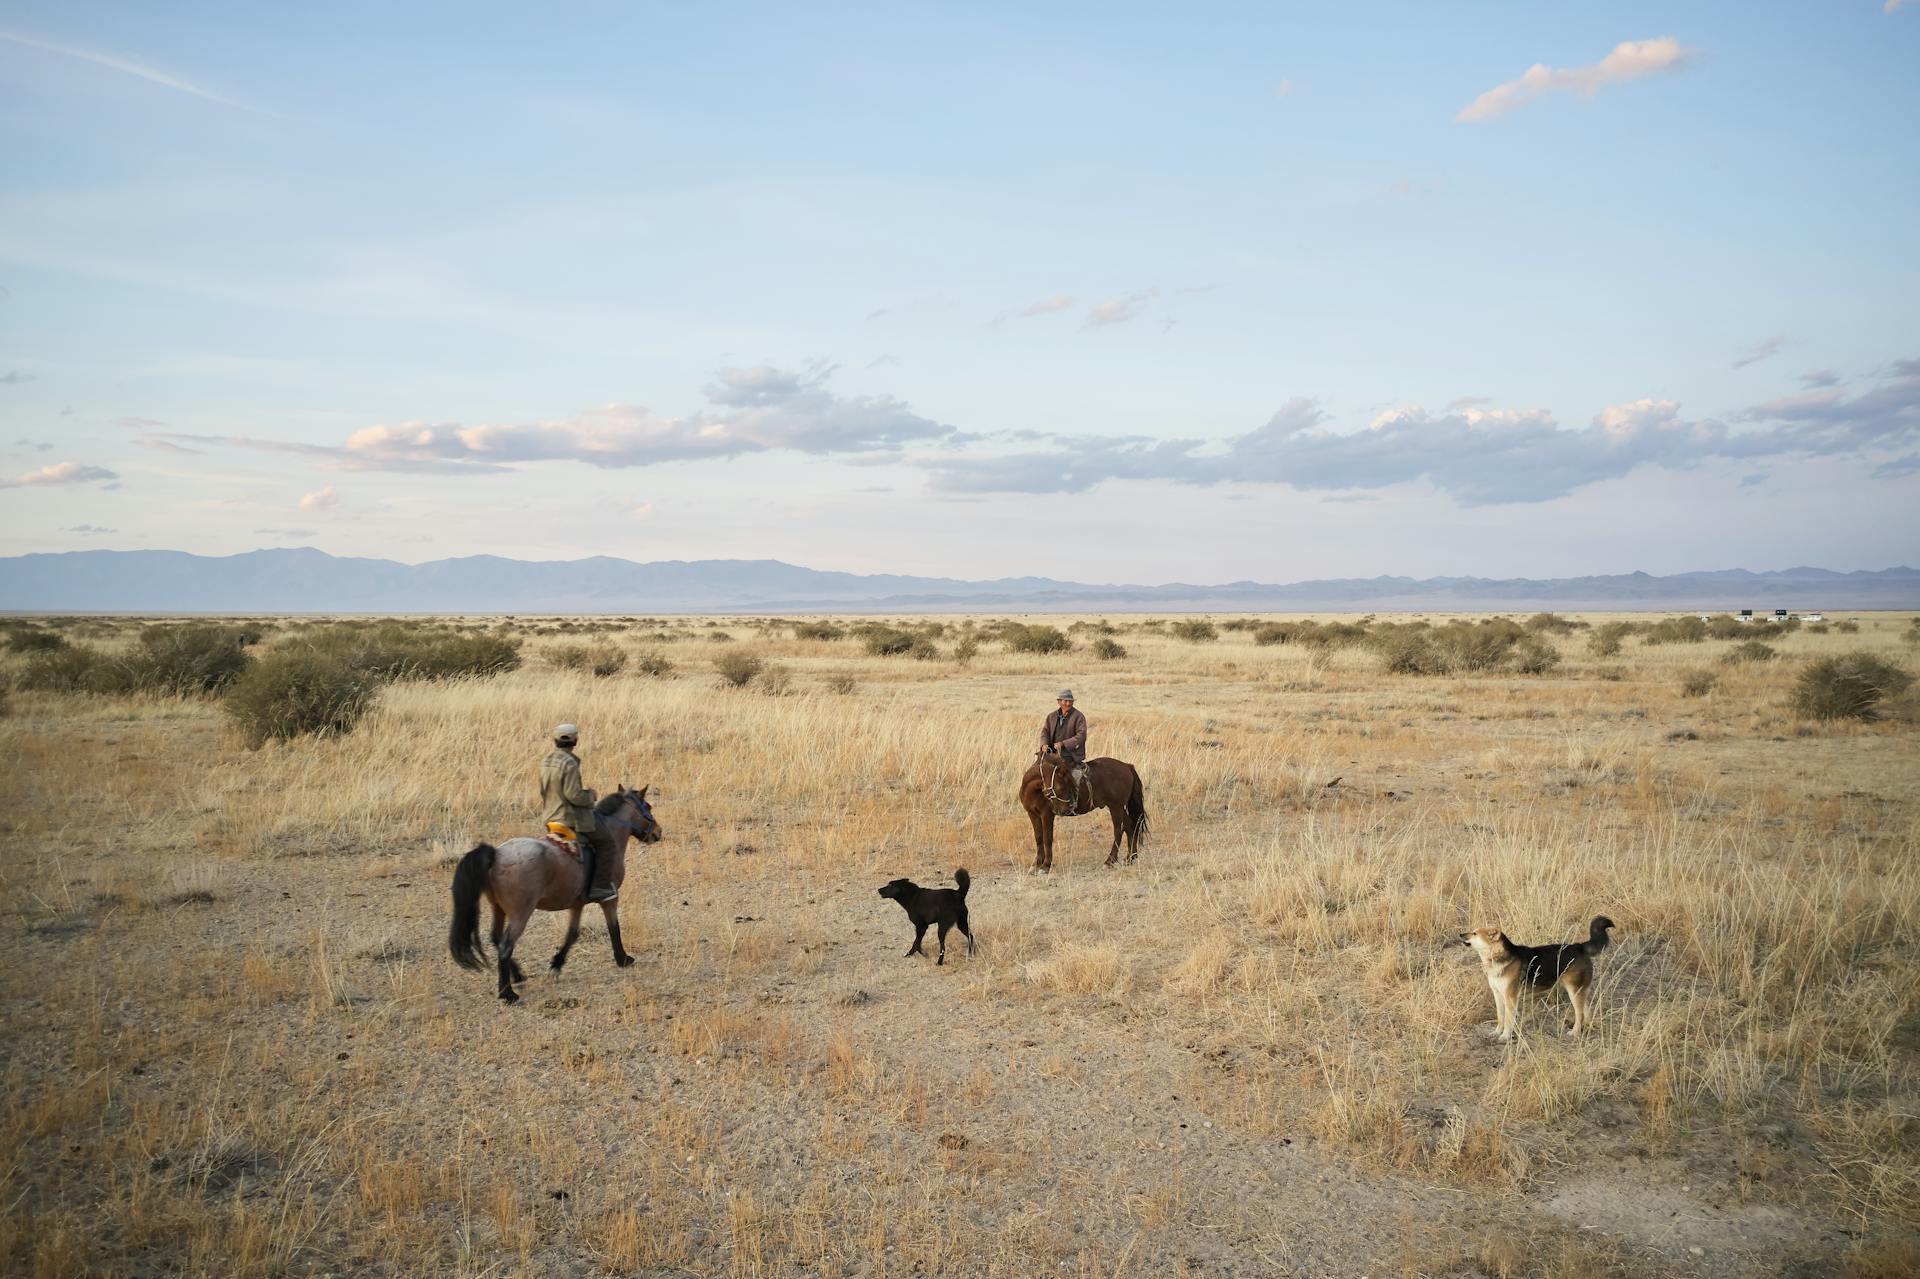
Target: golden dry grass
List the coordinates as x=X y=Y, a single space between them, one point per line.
x=236 y=1044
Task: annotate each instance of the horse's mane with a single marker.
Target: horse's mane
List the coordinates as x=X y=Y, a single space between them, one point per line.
x=610 y=804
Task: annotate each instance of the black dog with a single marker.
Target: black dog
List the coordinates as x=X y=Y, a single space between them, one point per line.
x=946 y=907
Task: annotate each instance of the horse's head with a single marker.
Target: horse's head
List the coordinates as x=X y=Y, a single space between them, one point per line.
x=638 y=814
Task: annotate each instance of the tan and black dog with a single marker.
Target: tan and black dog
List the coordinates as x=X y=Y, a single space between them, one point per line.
x=1509 y=967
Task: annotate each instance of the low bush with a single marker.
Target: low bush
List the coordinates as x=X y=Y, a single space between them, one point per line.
x=1022 y=637
x=1607 y=638
x=842 y=684
x=1850 y=628
x=1108 y=650
x=818 y=631
x=1697 y=683
x=76 y=668
x=23 y=638
x=1406 y=651
x=602 y=660
x=1273 y=633
x=1725 y=626
x=297 y=691
x=1850 y=686
x=1819 y=628
x=885 y=641
x=923 y=649
x=1751 y=651
x=1677 y=630
x=738 y=667
x=187 y=660
x=652 y=662
x=966 y=650
x=775 y=680
x=1194 y=630
x=1551 y=623
x=1477 y=647
x=1535 y=657
x=390 y=651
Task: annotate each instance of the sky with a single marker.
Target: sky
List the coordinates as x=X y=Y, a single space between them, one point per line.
x=1103 y=292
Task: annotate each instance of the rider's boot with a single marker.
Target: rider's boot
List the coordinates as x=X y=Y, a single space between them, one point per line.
x=1079 y=784
x=599 y=866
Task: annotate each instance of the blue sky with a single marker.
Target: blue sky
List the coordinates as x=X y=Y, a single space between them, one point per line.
x=1103 y=292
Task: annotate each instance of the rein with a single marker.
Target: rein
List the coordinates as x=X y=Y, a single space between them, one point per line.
x=1049 y=787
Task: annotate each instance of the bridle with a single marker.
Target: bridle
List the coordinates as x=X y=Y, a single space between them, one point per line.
x=1050 y=786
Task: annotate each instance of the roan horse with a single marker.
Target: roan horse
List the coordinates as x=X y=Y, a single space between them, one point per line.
x=1047 y=792
x=528 y=873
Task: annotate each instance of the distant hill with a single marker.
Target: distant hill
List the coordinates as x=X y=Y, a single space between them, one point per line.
x=311 y=581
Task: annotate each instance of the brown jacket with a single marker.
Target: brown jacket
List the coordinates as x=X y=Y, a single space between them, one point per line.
x=560 y=790
x=1066 y=734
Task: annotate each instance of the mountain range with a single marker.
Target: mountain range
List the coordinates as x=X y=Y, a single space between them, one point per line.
x=305 y=580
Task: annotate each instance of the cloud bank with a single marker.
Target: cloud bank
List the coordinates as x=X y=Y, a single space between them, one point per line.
x=60 y=473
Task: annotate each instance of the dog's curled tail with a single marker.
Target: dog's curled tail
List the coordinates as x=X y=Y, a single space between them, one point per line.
x=963 y=879
x=469 y=882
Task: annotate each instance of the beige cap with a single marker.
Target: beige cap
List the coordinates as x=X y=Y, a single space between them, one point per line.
x=567 y=732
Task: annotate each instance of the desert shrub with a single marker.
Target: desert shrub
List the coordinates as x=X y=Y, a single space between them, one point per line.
x=1725 y=626
x=818 y=631
x=775 y=680
x=1611 y=674
x=603 y=660
x=297 y=691
x=22 y=638
x=1819 y=628
x=737 y=667
x=1847 y=687
x=1550 y=623
x=1751 y=651
x=923 y=649
x=651 y=661
x=1697 y=683
x=390 y=651
x=184 y=660
x=884 y=641
x=1108 y=650
x=966 y=650
x=721 y=637
x=841 y=683
x=1101 y=627
x=1535 y=657
x=1607 y=638
x=1786 y=625
x=1853 y=628
x=1481 y=647
x=1406 y=651
x=1273 y=633
x=76 y=668
x=1677 y=630
x=1022 y=637
x=1194 y=630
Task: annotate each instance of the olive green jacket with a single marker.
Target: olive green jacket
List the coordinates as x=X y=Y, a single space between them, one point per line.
x=560 y=790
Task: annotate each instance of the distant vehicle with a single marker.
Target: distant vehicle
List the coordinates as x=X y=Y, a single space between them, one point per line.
x=1813 y=617
x=1746 y=615
x=1706 y=617
x=1779 y=615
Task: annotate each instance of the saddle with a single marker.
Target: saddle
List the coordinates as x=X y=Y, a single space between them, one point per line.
x=564 y=838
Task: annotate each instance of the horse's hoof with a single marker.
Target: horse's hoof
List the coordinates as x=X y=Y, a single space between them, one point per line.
x=1132 y=858
x=508 y=997
x=624 y=961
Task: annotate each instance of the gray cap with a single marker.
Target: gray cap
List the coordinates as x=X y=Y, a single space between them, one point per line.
x=567 y=733
x=1066 y=695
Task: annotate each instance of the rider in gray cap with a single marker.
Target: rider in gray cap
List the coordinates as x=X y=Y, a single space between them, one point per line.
x=1065 y=731
x=571 y=804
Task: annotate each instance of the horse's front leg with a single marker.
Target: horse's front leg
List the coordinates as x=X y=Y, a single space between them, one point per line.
x=573 y=935
x=1039 y=841
x=1047 y=821
x=612 y=911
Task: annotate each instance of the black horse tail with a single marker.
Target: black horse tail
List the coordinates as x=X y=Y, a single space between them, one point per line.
x=963 y=879
x=469 y=882
x=1137 y=812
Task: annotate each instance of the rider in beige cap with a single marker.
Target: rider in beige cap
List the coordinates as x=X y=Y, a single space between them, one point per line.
x=571 y=803
x=1065 y=731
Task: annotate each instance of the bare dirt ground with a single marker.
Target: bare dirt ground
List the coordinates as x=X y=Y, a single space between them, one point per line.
x=236 y=1043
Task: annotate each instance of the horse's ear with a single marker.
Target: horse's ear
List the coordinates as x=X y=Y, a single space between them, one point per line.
x=642 y=792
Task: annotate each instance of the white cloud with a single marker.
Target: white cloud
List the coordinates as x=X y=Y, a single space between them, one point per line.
x=1120 y=310
x=1282 y=89
x=1760 y=351
x=60 y=473
x=89 y=530
x=1630 y=60
x=642 y=511
x=126 y=66
x=1892 y=6
x=324 y=499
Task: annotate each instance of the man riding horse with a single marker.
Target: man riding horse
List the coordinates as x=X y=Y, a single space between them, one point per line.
x=1064 y=732
x=570 y=804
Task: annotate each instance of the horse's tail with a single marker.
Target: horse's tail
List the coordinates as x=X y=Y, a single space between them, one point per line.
x=469 y=882
x=963 y=879
x=1137 y=811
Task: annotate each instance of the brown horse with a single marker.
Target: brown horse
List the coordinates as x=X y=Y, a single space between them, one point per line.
x=1047 y=792
x=526 y=874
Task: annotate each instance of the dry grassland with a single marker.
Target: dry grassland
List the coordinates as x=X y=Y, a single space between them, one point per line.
x=236 y=1045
